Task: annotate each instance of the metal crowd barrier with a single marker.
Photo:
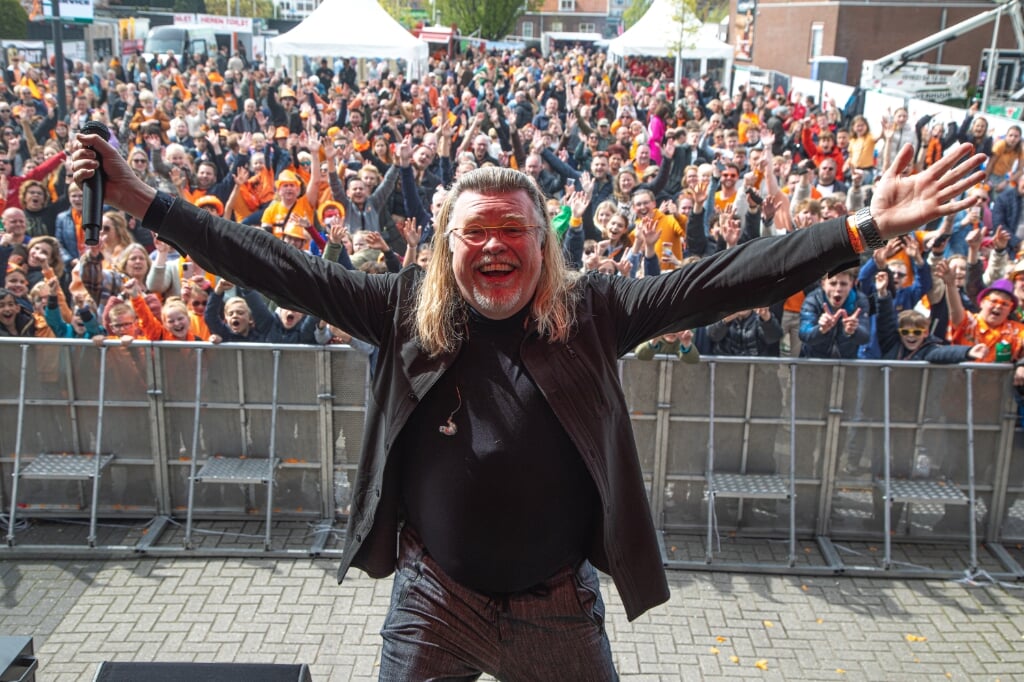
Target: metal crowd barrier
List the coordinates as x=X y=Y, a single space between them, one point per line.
x=813 y=466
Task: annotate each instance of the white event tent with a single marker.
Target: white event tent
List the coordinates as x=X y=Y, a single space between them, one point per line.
x=659 y=33
x=353 y=28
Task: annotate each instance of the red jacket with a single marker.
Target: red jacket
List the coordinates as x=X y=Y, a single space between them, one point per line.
x=37 y=173
x=815 y=154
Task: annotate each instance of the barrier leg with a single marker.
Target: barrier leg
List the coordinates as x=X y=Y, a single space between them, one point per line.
x=17 y=446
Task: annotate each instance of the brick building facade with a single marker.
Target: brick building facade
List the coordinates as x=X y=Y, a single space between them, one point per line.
x=787 y=33
x=583 y=16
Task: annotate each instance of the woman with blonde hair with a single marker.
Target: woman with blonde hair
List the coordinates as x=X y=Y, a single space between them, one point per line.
x=861 y=150
x=114 y=235
x=602 y=214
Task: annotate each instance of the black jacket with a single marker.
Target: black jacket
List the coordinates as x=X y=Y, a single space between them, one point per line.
x=931 y=350
x=579 y=377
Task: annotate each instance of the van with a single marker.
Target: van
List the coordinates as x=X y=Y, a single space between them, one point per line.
x=180 y=40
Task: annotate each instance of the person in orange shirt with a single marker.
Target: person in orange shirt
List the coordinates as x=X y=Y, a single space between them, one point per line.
x=174 y=323
x=991 y=325
x=289 y=203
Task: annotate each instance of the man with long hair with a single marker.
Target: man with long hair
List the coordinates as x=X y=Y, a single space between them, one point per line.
x=499 y=467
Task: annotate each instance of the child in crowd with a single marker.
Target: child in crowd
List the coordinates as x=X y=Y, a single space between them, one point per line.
x=906 y=335
x=834 y=318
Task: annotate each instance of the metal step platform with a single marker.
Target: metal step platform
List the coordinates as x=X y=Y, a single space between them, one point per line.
x=922 y=490
x=244 y=470
x=750 y=486
x=65 y=467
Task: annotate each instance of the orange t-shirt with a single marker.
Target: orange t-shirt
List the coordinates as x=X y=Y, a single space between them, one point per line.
x=973 y=330
x=794 y=303
x=277 y=213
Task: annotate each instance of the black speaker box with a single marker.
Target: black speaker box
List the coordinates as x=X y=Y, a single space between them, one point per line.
x=111 y=671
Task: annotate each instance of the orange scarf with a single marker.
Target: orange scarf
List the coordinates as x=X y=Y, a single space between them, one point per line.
x=933 y=153
x=76 y=216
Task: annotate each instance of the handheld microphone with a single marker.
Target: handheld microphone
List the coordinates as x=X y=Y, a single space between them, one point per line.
x=92 y=192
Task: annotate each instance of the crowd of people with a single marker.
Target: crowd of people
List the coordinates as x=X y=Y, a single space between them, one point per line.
x=351 y=161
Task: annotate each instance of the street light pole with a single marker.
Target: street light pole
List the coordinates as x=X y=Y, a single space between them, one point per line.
x=58 y=57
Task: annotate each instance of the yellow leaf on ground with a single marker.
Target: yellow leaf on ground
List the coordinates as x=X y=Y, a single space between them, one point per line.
x=820 y=621
x=762 y=664
x=714 y=650
x=734 y=659
x=840 y=671
x=804 y=588
x=916 y=638
x=721 y=639
x=769 y=624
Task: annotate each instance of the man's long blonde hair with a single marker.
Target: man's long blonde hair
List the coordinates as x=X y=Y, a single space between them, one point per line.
x=440 y=313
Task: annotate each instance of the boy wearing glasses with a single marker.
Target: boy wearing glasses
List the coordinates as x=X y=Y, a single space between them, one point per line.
x=906 y=336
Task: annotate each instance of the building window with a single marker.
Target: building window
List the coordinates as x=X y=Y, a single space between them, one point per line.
x=588 y=28
x=556 y=26
x=566 y=5
x=817 y=37
x=527 y=29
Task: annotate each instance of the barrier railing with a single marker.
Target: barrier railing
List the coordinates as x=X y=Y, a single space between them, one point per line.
x=851 y=423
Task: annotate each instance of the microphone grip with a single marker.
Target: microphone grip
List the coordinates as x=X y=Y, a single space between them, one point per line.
x=92 y=209
x=92 y=191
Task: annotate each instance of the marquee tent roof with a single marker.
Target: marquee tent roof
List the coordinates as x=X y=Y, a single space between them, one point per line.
x=353 y=28
x=658 y=32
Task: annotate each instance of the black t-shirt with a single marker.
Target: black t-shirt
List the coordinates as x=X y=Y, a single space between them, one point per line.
x=505 y=501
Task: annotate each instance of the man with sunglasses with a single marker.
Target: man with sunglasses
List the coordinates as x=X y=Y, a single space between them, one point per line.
x=991 y=325
x=499 y=466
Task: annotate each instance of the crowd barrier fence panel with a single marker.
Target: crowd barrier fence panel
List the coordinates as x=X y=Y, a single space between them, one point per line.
x=839 y=424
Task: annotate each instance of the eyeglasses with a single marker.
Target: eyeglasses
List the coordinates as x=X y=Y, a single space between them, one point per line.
x=911 y=332
x=139 y=160
x=198 y=304
x=898 y=273
x=114 y=326
x=476 y=235
x=992 y=299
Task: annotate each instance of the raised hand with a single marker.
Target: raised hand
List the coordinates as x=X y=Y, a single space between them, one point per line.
x=375 y=241
x=850 y=321
x=578 y=202
x=1001 y=239
x=337 y=232
x=975 y=237
x=882 y=283
x=828 y=320
x=902 y=203
x=242 y=175
x=411 y=232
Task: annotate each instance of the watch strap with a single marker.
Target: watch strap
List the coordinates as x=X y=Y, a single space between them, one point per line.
x=868 y=229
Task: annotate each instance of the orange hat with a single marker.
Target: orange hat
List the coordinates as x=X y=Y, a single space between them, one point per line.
x=286 y=92
x=281 y=131
x=211 y=200
x=296 y=229
x=324 y=205
x=332 y=131
x=287 y=177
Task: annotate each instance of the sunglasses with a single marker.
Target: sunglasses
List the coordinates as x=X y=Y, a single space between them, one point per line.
x=997 y=300
x=911 y=332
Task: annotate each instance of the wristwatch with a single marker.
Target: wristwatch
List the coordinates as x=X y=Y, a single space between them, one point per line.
x=868 y=229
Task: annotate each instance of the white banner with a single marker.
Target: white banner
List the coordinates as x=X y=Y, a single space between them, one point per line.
x=217 y=23
x=71 y=11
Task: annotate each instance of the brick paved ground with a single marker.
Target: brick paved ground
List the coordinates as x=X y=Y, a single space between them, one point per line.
x=717 y=626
